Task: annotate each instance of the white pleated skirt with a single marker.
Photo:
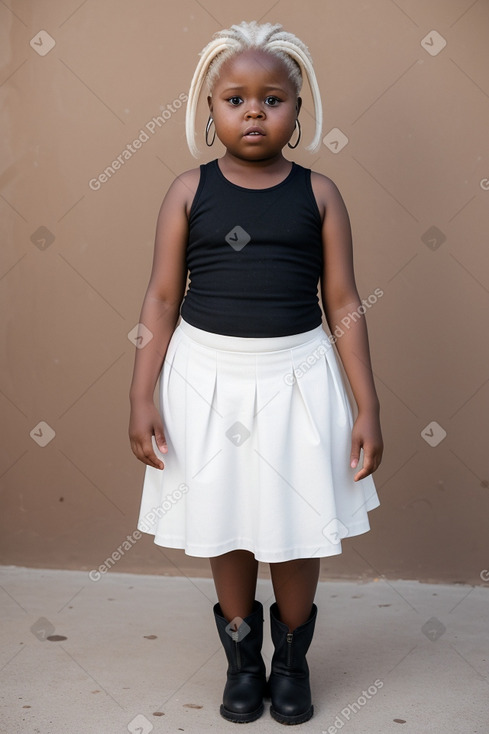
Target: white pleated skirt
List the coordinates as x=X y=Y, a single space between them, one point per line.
x=259 y=439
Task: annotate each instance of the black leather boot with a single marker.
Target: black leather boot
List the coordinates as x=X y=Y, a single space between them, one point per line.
x=289 y=678
x=246 y=677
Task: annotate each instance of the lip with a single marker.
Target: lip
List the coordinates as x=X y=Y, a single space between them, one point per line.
x=253 y=130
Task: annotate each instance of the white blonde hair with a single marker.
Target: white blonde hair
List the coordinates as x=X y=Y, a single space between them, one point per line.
x=266 y=37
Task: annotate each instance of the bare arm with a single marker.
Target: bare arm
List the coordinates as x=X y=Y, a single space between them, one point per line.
x=340 y=298
x=160 y=313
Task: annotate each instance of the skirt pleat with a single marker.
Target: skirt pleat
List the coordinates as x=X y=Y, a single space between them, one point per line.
x=259 y=439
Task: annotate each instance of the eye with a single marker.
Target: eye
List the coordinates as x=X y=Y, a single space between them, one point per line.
x=235 y=101
x=272 y=101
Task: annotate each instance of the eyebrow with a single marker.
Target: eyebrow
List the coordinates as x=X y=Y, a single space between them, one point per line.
x=239 y=87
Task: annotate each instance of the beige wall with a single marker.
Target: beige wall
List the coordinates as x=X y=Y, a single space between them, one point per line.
x=416 y=160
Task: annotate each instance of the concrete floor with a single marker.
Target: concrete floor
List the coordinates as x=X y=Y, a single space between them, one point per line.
x=140 y=653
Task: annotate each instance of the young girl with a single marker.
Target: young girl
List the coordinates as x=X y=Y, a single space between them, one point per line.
x=266 y=457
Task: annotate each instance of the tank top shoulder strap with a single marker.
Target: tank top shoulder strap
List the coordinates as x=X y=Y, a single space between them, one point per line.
x=204 y=167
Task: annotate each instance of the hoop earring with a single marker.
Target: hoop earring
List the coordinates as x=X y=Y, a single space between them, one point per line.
x=299 y=137
x=207 y=128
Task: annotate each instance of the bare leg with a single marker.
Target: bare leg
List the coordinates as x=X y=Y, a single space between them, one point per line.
x=294 y=584
x=235 y=576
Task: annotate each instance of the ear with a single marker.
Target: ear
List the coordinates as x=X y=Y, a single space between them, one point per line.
x=298 y=105
x=209 y=102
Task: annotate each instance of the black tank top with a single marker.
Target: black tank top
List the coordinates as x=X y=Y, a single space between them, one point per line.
x=254 y=256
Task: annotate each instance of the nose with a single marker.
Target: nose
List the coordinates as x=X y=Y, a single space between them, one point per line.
x=254 y=111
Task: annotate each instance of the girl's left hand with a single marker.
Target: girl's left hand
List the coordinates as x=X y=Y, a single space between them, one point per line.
x=366 y=434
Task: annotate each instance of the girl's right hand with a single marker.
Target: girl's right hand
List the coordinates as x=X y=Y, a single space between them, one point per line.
x=145 y=421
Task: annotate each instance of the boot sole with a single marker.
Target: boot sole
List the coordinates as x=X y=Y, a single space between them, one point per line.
x=291 y=720
x=241 y=718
